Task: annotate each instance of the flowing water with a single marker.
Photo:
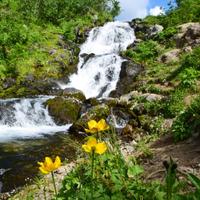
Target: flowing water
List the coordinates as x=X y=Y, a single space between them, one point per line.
x=28 y=133
x=99 y=63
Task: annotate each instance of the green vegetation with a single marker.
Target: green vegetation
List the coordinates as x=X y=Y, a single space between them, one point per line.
x=39 y=39
x=188 y=122
x=185 y=11
x=25 y=47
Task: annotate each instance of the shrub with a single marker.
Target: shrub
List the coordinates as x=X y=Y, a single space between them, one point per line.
x=187 y=122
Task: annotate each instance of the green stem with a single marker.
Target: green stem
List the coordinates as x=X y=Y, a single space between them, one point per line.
x=99 y=136
x=92 y=175
x=54 y=184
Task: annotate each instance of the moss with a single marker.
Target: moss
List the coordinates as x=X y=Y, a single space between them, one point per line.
x=63 y=110
x=74 y=93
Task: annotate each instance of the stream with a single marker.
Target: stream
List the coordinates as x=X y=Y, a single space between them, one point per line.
x=27 y=131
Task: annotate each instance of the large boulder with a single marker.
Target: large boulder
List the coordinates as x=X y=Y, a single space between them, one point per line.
x=189 y=35
x=129 y=71
x=154 y=30
x=143 y=30
x=64 y=110
x=170 y=56
x=74 y=93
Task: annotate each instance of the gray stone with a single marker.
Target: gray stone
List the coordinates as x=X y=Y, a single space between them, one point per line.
x=154 y=30
x=170 y=56
x=189 y=35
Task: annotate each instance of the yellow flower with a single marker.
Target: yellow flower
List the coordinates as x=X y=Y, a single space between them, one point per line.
x=94 y=126
x=48 y=165
x=93 y=145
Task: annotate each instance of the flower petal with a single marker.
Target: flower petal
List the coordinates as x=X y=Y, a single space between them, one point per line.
x=48 y=161
x=44 y=171
x=40 y=163
x=86 y=148
x=102 y=125
x=93 y=130
x=91 y=141
x=92 y=124
x=100 y=148
x=57 y=162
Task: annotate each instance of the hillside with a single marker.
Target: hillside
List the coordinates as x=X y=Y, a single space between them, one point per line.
x=154 y=151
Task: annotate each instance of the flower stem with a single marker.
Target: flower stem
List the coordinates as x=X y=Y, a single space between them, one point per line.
x=92 y=175
x=54 y=184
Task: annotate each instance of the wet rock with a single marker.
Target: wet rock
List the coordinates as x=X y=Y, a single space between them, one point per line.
x=125 y=84
x=74 y=93
x=189 y=35
x=64 y=110
x=120 y=116
x=86 y=57
x=170 y=56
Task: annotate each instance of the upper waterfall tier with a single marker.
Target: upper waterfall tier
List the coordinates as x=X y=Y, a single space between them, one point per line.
x=99 y=63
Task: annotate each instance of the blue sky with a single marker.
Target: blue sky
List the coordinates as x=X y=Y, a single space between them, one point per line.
x=139 y=8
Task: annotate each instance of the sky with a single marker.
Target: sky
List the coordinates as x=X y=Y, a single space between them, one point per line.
x=140 y=8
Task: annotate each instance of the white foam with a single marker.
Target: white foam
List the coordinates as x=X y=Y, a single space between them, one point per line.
x=26 y=118
x=98 y=76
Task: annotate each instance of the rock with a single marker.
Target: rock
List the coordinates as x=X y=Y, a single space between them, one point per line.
x=170 y=56
x=187 y=49
x=86 y=57
x=8 y=82
x=152 y=97
x=125 y=84
x=143 y=30
x=74 y=93
x=189 y=35
x=64 y=110
x=96 y=112
x=120 y=116
x=154 y=30
x=52 y=51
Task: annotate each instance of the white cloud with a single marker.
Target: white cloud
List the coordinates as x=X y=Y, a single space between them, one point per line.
x=132 y=9
x=156 y=11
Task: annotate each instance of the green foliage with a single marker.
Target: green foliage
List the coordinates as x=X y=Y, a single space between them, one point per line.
x=192 y=59
x=174 y=105
x=112 y=178
x=64 y=10
x=167 y=36
x=187 y=122
x=188 y=77
x=187 y=11
x=147 y=50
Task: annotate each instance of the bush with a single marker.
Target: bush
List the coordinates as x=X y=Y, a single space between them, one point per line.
x=145 y=51
x=187 y=122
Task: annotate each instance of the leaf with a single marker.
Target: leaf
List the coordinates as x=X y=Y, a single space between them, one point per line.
x=134 y=171
x=195 y=181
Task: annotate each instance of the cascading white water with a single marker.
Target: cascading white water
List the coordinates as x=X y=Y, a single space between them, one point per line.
x=26 y=118
x=99 y=63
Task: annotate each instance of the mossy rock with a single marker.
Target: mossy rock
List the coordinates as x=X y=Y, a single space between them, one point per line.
x=74 y=93
x=64 y=110
x=96 y=112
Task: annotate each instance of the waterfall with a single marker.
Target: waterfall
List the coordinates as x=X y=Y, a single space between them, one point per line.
x=26 y=118
x=99 y=63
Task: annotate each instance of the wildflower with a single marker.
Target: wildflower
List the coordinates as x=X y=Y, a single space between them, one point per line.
x=48 y=165
x=93 y=146
x=94 y=126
